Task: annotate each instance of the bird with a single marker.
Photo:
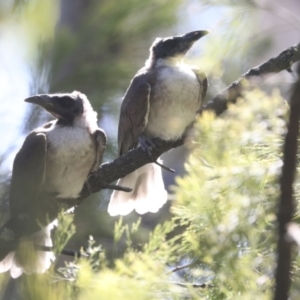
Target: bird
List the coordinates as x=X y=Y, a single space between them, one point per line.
x=161 y=101
x=54 y=162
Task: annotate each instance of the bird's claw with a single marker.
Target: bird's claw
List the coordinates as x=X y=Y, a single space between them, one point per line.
x=147 y=145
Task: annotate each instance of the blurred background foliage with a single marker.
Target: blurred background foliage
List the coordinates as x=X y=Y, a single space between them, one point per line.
x=224 y=213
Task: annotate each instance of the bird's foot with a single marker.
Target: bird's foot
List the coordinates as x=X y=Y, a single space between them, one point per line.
x=147 y=145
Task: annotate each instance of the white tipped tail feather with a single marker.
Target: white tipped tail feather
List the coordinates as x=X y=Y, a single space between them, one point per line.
x=148 y=192
x=21 y=261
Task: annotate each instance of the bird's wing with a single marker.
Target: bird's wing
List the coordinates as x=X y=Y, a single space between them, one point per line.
x=134 y=113
x=201 y=76
x=28 y=173
x=99 y=138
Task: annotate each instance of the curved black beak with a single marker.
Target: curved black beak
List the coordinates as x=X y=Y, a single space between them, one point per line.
x=44 y=101
x=187 y=40
x=194 y=35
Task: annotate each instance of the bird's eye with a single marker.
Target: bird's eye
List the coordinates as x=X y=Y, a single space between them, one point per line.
x=66 y=102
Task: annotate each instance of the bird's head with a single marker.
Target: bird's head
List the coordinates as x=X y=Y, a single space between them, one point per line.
x=176 y=46
x=62 y=106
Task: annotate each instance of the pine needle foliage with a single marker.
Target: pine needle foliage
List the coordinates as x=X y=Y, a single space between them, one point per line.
x=229 y=196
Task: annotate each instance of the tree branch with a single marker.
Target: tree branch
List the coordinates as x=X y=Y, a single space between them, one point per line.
x=47 y=209
x=123 y=165
x=281 y=62
x=286 y=208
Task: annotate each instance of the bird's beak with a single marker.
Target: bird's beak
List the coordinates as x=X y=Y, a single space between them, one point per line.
x=194 y=35
x=44 y=101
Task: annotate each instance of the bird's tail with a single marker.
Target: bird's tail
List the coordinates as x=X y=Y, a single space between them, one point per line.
x=28 y=260
x=148 y=192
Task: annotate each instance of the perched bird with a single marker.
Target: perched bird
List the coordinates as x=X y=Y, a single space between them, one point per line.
x=54 y=162
x=162 y=101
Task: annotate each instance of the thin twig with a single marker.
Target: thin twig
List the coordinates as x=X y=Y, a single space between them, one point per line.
x=178 y=268
x=165 y=167
x=194 y=285
x=118 y=188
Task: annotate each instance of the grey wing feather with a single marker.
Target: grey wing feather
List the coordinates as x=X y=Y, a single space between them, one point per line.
x=134 y=113
x=28 y=173
x=99 y=137
x=201 y=76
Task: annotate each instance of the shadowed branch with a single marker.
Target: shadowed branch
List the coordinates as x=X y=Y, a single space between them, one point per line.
x=276 y=64
x=286 y=208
